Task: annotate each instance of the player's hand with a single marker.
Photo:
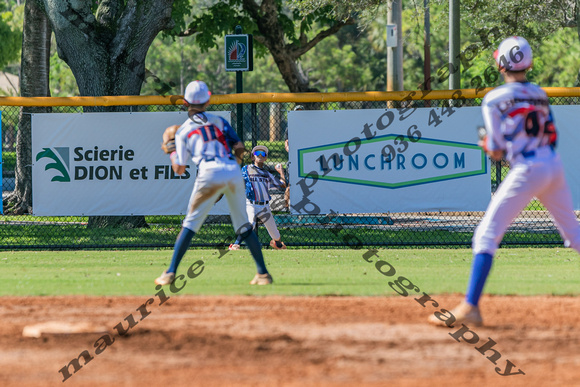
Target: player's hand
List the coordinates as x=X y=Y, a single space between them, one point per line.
x=279 y=169
x=239 y=150
x=168 y=140
x=495 y=155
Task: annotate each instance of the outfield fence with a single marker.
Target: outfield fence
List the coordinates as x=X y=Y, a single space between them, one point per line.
x=258 y=119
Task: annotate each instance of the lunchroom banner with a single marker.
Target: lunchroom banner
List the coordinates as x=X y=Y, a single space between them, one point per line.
x=387 y=160
x=91 y=164
x=566 y=120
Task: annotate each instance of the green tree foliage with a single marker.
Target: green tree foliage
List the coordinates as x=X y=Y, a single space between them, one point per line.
x=367 y=9
x=343 y=62
x=535 y=20
x=284 y=32
x=545 y=24
x=175 y=61
x=10 y=35
x=550 y=26
x=476 y=59
x=178 y=62
x=354 y=58
x=557 y=59
x=106 y=24
x=346 y=62
x=62 y=80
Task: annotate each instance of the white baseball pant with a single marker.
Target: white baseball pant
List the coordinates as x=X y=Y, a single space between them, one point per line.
x=264 y=213
x=541 y=176
x=214 y=178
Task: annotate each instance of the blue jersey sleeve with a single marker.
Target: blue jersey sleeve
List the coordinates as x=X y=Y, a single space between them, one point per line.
x=245 y=173
x=249 y=188
x=230 y=134
x=274 y=181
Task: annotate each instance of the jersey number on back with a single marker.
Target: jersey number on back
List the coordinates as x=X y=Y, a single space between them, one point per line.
x=533 y=127
x=532 y=124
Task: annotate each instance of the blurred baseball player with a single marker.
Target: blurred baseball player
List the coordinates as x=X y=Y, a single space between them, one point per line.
x=258 y=183
x=520 y=127
x=217 y=151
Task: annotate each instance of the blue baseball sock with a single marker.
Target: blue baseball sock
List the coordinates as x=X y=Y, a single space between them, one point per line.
x=181 y=246
x=256 y=249
x=479 y=271
x=241 y=237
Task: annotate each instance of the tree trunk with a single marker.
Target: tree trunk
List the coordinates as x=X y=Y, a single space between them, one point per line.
x=286 y=55
x=272 y=36
x=106 y=53
x=35 y=64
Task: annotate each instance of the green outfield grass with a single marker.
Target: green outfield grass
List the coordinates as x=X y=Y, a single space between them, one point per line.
x=552 y=271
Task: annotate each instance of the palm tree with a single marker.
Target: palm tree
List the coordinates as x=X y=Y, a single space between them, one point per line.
x=35 y=65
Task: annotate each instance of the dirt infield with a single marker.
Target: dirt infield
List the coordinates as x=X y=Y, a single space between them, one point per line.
x=289 y=341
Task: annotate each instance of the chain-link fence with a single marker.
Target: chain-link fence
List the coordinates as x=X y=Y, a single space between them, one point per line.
x=264 y=124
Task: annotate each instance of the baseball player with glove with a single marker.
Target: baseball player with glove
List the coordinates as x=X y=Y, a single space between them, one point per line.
x=258 y=182
x=520 y=127
x=217 y=151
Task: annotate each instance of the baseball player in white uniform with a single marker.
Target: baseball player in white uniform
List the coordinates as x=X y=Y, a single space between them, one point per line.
x=520 y=127
x=258 y=183
x=215 y=148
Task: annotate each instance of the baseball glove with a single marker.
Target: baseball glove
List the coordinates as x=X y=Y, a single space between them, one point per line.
x=168 y=143
x=273 y=245
x=482 y=135
x=481 y=132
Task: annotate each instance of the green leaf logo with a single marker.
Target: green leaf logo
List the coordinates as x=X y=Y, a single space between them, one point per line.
x=58 y=162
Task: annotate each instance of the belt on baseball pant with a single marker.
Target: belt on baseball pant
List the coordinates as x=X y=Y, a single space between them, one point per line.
x=217 y=159
x=259 y=203
x=543 y=151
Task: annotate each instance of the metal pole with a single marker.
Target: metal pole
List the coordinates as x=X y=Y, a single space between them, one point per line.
x=427 y=51
x=454 y=70
x=395 y=54
x=398 y=19
x=498 y=175
x=240 y=89
x=254 y=114
x=390 y=51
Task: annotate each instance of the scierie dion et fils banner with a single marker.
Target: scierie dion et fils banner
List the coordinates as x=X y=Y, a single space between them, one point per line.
x=107 y=164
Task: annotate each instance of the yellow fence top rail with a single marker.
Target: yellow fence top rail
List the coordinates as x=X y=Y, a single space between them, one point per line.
x=127 y=100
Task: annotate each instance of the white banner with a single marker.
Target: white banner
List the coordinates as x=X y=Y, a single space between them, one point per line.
x=566 y=119
x=393 y=160
x=107 y=164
